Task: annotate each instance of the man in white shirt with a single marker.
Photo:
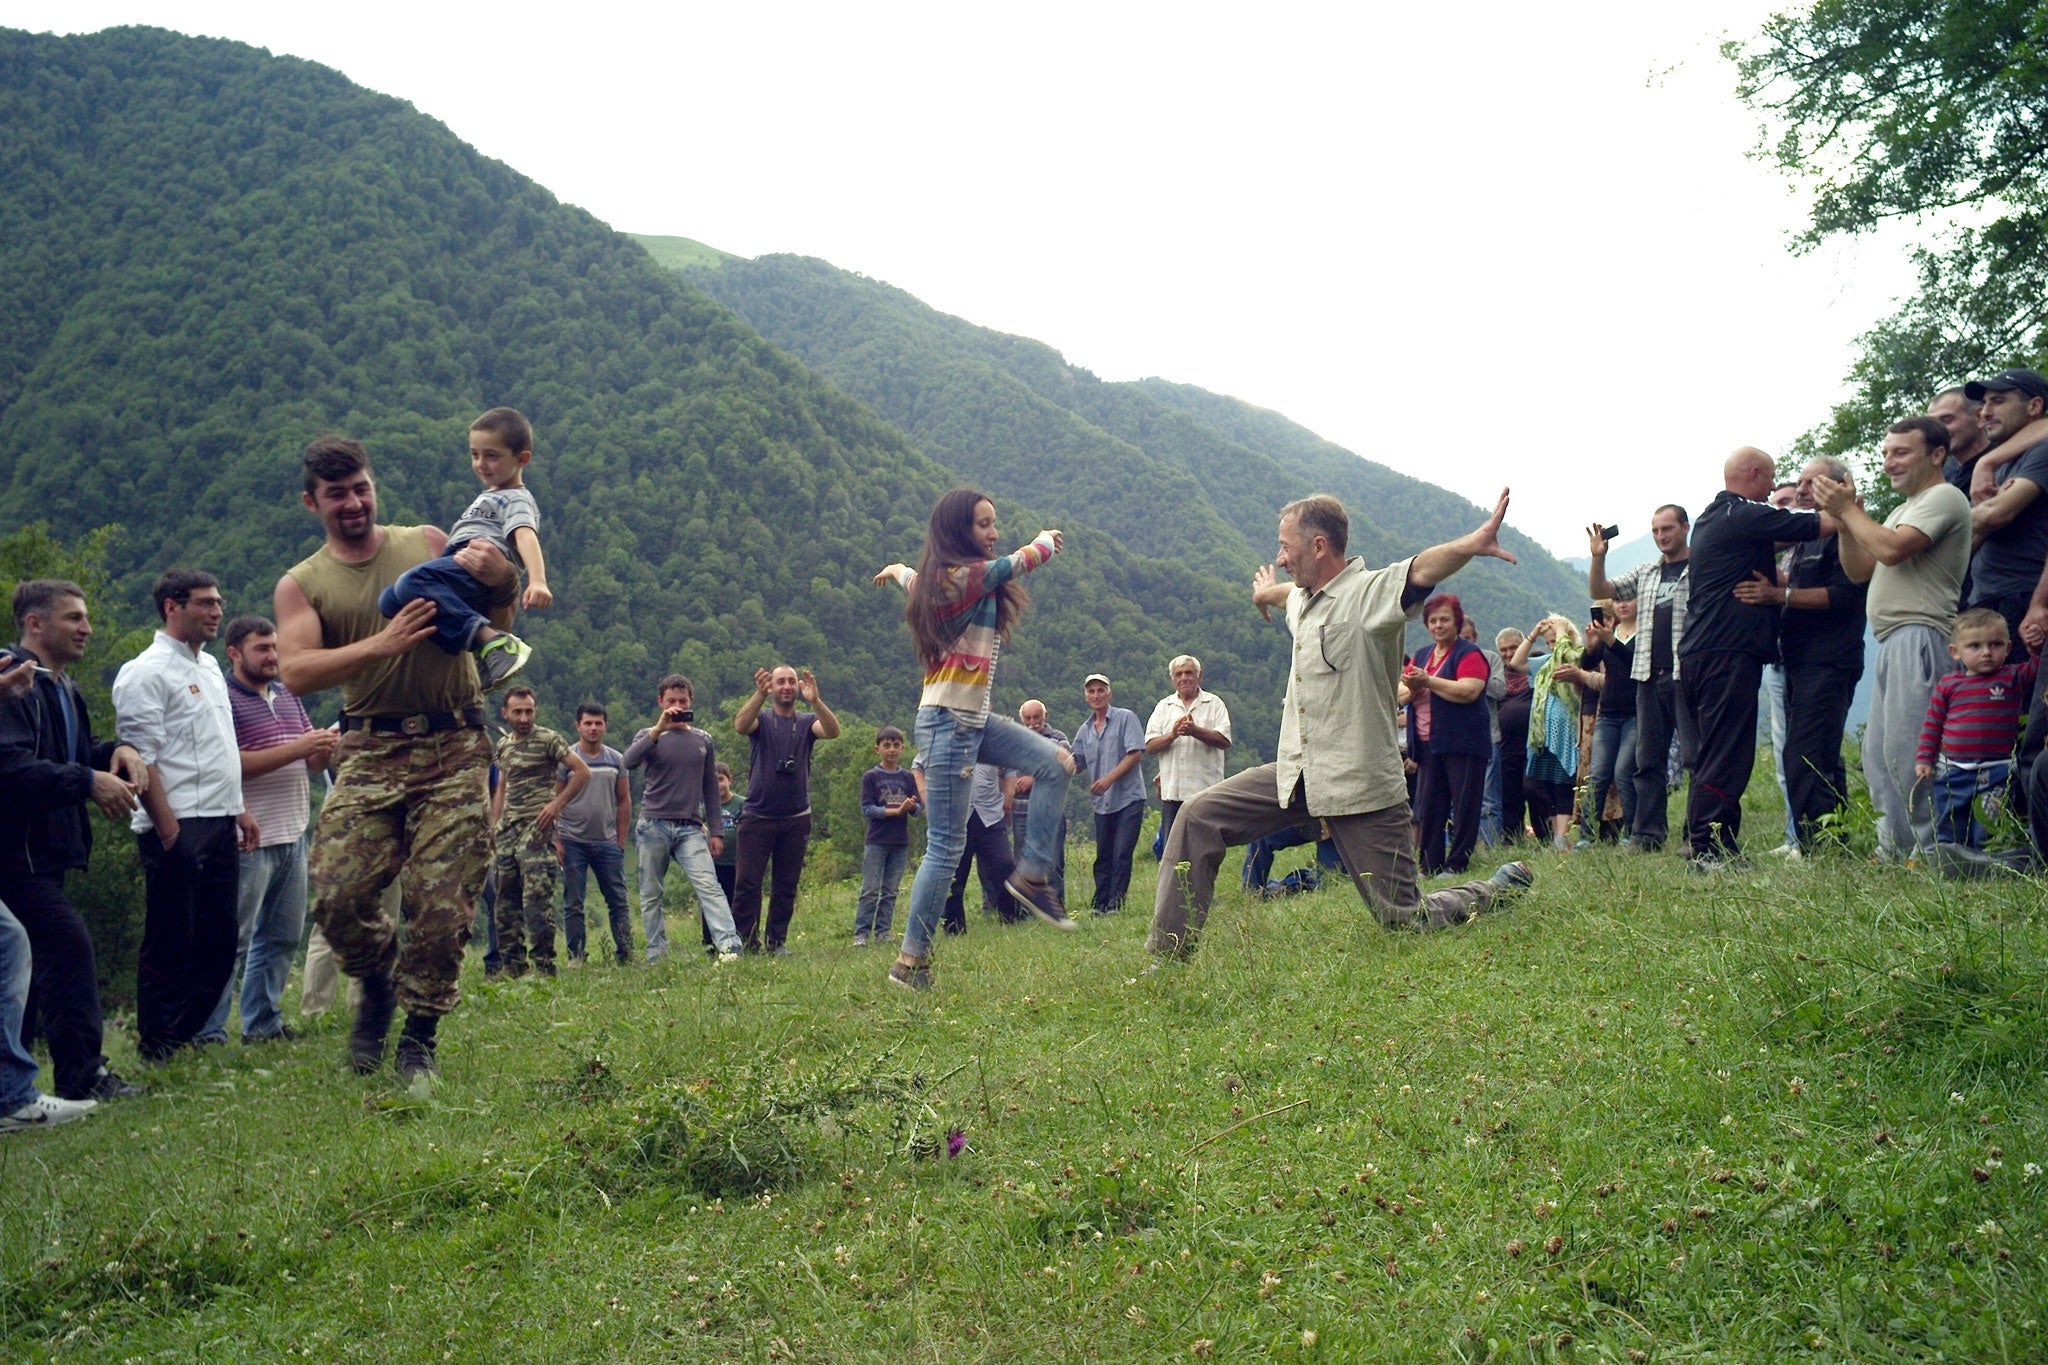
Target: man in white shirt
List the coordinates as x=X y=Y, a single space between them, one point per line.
x=171 y=705
x=1189 y=734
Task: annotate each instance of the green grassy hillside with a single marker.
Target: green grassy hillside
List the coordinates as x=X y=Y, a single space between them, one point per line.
x=1791 y=1115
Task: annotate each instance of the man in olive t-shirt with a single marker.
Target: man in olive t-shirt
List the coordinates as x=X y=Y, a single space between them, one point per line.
x=409 y=801
x=1914 y=564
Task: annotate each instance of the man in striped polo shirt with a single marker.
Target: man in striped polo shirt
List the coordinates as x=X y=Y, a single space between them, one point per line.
x=279 y=748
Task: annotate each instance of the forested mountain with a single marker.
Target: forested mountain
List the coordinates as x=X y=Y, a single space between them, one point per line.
x=213 y=255
x=1174 y=470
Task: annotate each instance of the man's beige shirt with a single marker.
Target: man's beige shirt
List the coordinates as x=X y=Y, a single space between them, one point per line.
x=1337 y=728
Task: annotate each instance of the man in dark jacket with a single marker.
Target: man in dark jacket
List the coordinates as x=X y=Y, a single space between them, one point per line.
x=1728 y=640
x=50 y=766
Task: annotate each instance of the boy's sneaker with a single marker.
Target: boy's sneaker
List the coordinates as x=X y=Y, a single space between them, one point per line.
x=860 y=940
x=910 y=978
x=45 y=1111
x=1037 y=893
x=499 y=657
x=724 y=958
x=1509 y=881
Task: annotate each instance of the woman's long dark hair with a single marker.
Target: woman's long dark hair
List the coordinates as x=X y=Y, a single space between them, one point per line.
x=948 y=544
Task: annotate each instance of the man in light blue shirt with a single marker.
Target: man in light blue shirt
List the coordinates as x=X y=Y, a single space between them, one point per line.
x=1110 y=747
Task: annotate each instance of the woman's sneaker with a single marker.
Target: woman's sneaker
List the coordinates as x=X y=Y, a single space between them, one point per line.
x=1037 y=893
x=910 y=978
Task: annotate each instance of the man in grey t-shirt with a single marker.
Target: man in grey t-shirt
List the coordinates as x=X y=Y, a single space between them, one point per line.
x=1914 y=564
x=680 y=796
x=591 y=835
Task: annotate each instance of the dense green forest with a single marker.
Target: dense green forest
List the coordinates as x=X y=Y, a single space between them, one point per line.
x=214 y=255
x=1189 y=474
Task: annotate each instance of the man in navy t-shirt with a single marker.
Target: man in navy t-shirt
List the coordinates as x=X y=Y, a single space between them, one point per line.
x=775 y=823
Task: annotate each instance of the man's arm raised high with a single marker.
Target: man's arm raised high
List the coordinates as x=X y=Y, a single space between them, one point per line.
x=1439 y=562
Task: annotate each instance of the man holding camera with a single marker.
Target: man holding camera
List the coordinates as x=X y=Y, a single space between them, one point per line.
x=681 y=795
x=775 y=824
x=1661 y=590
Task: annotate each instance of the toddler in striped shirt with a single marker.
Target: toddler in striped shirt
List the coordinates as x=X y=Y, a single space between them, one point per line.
x=1973 y=721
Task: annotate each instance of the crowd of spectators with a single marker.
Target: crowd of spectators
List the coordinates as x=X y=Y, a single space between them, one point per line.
x=1571 y=734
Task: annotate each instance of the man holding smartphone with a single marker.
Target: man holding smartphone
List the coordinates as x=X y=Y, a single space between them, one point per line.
x=1661 y=589
x=681 y=795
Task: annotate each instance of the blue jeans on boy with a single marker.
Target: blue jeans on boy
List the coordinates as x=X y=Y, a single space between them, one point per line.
x=1258 y=858
x=1955 y=793
x=881 y=873
x=608 y=861
x=950 y=750
x=17 y=1066
x=459 y=599
x=661 y=842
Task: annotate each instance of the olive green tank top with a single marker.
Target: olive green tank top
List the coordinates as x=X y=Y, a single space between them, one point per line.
x=424 y=678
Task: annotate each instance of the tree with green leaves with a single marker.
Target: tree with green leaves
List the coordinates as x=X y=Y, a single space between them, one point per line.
x=1932 y=114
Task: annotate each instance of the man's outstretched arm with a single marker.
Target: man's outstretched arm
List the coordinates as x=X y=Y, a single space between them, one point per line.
x=1439 y=562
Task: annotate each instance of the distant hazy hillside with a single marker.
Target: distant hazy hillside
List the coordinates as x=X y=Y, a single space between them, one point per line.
x=211 y=255
x=1174 y=470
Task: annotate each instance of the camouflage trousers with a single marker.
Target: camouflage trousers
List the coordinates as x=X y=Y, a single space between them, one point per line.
x=412 y=808
x=528 y=876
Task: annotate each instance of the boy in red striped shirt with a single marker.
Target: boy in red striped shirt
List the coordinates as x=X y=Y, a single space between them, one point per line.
x=1972 y=723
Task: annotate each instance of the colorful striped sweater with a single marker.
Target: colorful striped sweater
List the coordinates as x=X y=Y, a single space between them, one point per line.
x=963 y=676
x=1974 y=718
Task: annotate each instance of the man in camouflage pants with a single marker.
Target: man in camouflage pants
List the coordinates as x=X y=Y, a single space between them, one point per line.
x=539 y=773
x=409 y=801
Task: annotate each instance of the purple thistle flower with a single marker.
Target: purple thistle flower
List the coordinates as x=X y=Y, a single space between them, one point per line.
x=956 y=1142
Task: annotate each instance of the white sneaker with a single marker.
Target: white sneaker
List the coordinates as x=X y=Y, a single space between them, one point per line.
x=45 y=1111
x=724 y=958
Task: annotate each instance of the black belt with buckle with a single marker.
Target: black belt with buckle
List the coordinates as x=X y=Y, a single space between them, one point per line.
x=427 y=723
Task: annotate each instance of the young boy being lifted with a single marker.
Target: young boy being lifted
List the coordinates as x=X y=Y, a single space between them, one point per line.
x=500 y=446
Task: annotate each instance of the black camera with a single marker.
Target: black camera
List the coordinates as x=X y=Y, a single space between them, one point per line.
x=1599 y=614
x=682 y=716
x=788 y=765
x=1610 y=534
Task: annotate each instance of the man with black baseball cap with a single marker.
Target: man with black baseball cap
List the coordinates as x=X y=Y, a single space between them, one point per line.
x=2010 y=529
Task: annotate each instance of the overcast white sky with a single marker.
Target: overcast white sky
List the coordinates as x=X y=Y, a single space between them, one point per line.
x=1501 y=244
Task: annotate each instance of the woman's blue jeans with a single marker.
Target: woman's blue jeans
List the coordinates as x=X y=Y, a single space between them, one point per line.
x=949 y=750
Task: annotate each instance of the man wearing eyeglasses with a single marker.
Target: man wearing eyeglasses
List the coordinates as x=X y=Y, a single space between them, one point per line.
x=171 y=705
x=1339 y=760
